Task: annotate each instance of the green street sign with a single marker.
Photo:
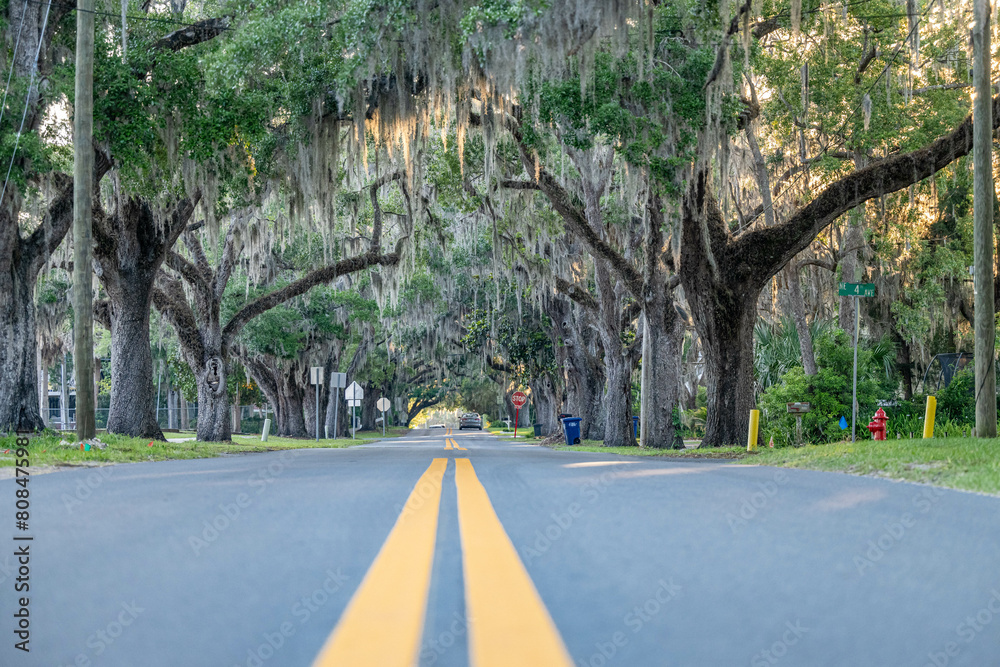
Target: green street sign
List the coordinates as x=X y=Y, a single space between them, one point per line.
x=857 y=289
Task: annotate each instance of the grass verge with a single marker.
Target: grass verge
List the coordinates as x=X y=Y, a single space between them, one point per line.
x=707 y=453
x=970 y=464
x=45 y=449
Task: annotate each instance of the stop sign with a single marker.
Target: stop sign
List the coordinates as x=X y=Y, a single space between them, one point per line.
x=519 y=398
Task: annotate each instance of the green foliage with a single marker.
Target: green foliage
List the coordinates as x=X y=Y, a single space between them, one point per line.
x=828 y=392
x=957 y=401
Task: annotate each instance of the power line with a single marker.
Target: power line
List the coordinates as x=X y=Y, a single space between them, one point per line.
x=17 y=43
x=27 y=99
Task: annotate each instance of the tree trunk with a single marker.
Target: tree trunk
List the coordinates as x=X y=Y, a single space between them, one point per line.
x=184 y=420
x=214 y=418
x=722 y=288
x=133 y=395
x=544 y=398
x=129 y=248
x=291 y=419
x=19 y=387
x=661 y=372
x=798 y=308
x=63 y=397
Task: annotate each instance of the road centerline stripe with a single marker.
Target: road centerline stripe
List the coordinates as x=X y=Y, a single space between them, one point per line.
x=508 y=622
x=383 y=623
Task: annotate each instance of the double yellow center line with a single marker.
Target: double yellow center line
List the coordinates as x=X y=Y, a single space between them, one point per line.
x=508 y=622
x=451 y=443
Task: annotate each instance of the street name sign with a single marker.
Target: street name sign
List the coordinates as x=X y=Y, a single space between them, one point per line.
x=857 y=289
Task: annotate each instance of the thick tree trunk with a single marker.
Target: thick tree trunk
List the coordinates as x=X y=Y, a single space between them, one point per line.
x=133 y=394
x=726 y=325
x=661 y=372
x=544 y=398
x=129 y=248
x=214 y=418
x=722 y=288
x=19 y=387
x=184 y=421
x=291 y=418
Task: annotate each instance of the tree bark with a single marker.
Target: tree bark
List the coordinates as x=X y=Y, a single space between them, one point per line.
x=661 y=373
x=798 y=308
x=129 y=249
x=133 y=395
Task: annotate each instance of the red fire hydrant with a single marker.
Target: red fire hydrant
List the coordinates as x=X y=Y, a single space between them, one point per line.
x=877 y=425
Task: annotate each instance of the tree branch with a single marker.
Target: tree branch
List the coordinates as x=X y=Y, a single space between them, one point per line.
x=199 y=32
x=575 y=220
x=774 y=247
x=301 y=286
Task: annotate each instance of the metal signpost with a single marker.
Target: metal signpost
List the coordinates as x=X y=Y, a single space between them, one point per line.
x=518 y=399
x=337 y=382
x=316 y=378
x=856 y=291
x=382 y=404
x=354 y=394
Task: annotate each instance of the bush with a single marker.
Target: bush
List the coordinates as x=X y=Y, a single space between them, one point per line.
x=828 y=392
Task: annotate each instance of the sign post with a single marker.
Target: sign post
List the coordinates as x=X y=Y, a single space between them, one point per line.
x=354 y=394
x=382 y=404
x=337 y=382
x=518 y=399
x=797 y=409
x=316 y=378
x=856 y=291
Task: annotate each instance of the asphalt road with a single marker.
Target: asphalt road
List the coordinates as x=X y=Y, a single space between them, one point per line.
x=432 y=548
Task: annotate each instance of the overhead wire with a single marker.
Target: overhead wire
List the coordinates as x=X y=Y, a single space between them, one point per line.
x=17 y=43
x=27 y=99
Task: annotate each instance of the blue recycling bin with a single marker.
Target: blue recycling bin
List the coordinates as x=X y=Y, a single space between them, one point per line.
x=635 y=426
x=571 y=427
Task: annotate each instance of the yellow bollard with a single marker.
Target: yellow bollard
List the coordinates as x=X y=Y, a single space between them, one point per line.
x=929 y=417
x=752 y=435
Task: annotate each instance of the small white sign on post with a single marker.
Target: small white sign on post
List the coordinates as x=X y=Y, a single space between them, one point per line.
x=316 y=378
x=338 y=380
x=354 y=394
x=382 y=404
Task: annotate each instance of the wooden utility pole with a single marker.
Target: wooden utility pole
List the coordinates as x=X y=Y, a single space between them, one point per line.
x=83 y=186
x=983 y=196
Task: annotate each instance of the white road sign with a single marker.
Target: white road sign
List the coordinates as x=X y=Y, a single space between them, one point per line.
x=316 y=375
x=382 y=404
x=354 y=403
x=338 y=380
x=354 y=392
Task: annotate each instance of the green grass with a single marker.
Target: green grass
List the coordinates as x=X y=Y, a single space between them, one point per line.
x=959 y=463
x=707 y=453
x=45 y=448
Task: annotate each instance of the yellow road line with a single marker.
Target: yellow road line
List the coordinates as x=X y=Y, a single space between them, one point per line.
x=384 y=621
x=508 y=622
x=455 y=445
x=447 y=443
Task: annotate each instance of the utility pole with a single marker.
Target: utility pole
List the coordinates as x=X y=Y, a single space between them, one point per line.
x=83 y=184
x=983 y=196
